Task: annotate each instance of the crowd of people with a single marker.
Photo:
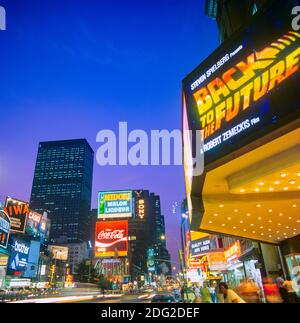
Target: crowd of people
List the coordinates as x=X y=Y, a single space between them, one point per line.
x=277 y=290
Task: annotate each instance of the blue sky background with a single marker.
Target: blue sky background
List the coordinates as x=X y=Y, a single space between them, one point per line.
x=72 y=68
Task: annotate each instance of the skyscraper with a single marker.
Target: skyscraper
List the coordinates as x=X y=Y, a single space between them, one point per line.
x=62 y=186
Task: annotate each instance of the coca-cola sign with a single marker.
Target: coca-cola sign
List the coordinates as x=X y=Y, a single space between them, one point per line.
x=111 y=239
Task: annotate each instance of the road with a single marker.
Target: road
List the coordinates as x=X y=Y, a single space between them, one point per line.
x=82 y=295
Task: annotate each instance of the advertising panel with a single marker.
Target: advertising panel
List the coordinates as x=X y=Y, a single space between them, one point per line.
x=33 y=260
x=114 y=204
x=216 y=261
x=17 y=211
x=59 y=252
x=19 y=255
x=151 y=260
x=200 y=246
x=33 y=222
x=249 y=86
x=111 y=238
x=233 y=252
x=4 y=229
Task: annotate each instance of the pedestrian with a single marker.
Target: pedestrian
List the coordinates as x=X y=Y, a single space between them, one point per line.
x=282 y=290
x=205 y=293
x=212 y=291
x=230 y=296
x=291 y=289
x=271 y=291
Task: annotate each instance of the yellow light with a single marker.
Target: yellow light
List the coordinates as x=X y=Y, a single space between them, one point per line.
x=241 y=221
x=252 y=225
x=261 y=234
x=277 y=183
x=279 y=224
x=287 y=227
x=269 y=229
x=223 y=225
x=244 y=230
x=210 y=222
x=234 y=227
x=294 y=205
x=285 y=188
x=280 y=214
x=258 y=205
x=215 y=214
x=292 y=182
x=270 y=221
x=271 y=189
x=290 y=218
x=270 y=236
x=283 y=175
x=270 y=210
x=248 y=214
x=229 y=218
x=261 y=183
x=221 y=205
x=236 y=210
x=298 y=174
x=253 y=231
x=242 y=190
x=256 y=189
x=261 y=227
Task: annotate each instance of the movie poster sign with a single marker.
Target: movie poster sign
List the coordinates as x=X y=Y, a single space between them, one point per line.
x=4 y=229
x=18 y=212
x=111 y=239
x=114 y=204
x=249 y=86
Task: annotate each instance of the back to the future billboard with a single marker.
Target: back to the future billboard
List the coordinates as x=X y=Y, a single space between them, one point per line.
x=249 y=86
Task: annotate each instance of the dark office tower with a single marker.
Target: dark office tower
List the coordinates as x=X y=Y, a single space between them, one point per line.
x=62 y=186
x=159 y=237
x=231 y=15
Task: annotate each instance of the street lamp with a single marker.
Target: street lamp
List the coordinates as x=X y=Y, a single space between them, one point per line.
x=163 y=237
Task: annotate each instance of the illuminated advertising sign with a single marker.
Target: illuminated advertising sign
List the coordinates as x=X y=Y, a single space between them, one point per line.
x=114 y=204
x=200 y=246
x=19 y=255
x=141 y=208
x=33 y=222
x=4 y=229
x=150 y=260
x=249 y=86
x=111 y=239
x=59 y=252
x=233 y=252
x=17 y=212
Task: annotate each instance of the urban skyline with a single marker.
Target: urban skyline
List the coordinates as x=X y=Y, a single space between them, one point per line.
x=113 y=51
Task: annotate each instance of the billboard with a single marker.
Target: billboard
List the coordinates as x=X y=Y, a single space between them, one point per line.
x=19 y=255
x=111 y=239
x=38 y=225
x=114 y=204
x=17 y=211
x=248 y=87
x=4 y=229
x=59 y=252
x=200 y=246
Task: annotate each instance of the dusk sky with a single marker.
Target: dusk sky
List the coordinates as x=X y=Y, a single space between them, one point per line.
x=72 y=68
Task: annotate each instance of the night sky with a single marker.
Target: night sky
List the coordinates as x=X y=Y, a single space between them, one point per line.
x=72 y=68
